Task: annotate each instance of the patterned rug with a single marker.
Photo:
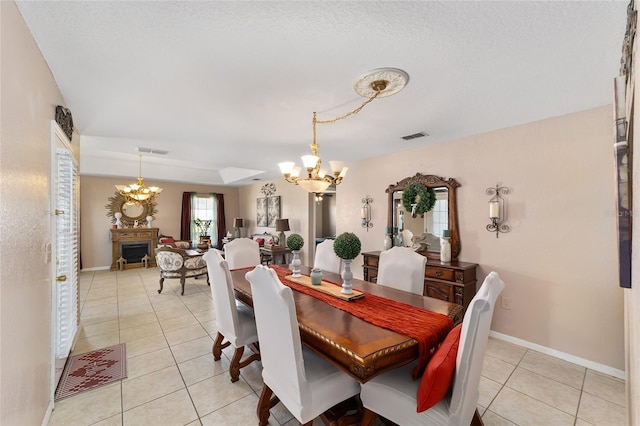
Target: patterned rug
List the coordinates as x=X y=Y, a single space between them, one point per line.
x=91 y=370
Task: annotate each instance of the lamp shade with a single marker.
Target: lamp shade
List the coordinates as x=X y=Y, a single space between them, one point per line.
x=282 y=225
x=237 y=223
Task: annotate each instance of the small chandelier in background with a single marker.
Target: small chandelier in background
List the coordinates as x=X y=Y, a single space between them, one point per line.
x=377 y=83
x=137 y=193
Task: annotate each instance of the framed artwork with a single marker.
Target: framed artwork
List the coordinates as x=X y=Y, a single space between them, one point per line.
x=273 y=210
x=261 y=209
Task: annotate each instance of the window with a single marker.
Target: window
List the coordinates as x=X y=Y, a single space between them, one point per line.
x=204 y=207
x=440 y=214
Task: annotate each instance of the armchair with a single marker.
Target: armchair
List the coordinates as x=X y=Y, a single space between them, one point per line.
x=177 y=263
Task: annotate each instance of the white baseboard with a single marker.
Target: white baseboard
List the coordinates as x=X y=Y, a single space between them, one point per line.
x=97 y=268
x=605 y=369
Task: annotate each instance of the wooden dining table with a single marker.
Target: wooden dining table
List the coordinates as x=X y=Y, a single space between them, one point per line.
x=357 y=347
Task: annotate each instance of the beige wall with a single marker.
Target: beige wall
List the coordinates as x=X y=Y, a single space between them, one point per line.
x=95 y=234
x=29 y=96
x=558 y=262
x=294 y=206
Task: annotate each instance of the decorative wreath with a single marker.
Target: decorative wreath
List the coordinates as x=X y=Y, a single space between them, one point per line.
x=423 y=197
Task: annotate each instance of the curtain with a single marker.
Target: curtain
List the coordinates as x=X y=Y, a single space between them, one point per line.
x=185 y=219
x=220 y=221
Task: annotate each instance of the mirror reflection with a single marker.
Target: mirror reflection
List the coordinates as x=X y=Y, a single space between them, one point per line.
x=431 y=223
x=133 y=210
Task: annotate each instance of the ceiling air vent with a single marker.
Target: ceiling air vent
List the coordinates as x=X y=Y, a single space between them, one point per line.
x=151 y=150
x=414 y=136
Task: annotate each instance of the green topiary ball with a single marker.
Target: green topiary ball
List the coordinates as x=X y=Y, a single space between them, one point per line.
x=295 y=241
x=347 y=245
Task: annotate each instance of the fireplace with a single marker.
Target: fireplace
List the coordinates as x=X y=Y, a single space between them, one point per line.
x=132 y=244
x=133 y=252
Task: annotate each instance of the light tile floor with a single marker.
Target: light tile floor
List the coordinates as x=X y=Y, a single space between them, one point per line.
x=173 y=380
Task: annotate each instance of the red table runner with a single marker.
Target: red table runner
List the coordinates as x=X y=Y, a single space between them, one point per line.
x=427 y=327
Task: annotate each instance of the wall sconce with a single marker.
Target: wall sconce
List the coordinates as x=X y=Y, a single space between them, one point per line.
x=281 y=226
x=497 y=210
x=237 y=223
x=365 y=213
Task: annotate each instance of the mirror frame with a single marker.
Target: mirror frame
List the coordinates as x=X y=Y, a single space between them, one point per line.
x=116 y=204
x=431 y=181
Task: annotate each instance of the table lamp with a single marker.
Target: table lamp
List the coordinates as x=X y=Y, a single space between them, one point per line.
x=237 y=224
x=281 y=226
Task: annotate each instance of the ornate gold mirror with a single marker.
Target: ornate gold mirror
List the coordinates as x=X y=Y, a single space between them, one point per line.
x=427 y=227
x=130 y=212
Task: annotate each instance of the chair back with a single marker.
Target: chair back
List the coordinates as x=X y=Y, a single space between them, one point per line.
x=169 y=259
x=224 y=301
x=473 y=343
x=402 y=268
x=406 y=238
x=280 y=346
x=242 y=253
x=326 y=259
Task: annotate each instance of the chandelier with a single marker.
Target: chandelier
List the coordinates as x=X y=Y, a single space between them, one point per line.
x=137 y=193
x=377 y=83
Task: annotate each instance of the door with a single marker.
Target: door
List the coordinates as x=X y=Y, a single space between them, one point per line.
x=65 y=253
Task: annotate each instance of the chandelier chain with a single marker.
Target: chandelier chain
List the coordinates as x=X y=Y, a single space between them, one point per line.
x=355 y=111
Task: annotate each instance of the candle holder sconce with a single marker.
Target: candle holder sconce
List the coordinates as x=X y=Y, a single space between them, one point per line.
x=497 y=210
x=365 y=213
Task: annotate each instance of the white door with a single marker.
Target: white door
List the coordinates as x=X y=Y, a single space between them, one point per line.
x=65 y=249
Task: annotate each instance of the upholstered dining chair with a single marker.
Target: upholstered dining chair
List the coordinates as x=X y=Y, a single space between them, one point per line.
x=396 y=396
x=402 y=268
x=242 y=253
x=326 y=259
x=305 y=383
x=234 y=320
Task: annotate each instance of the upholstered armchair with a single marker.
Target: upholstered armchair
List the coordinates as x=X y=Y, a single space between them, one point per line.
x=177 y=263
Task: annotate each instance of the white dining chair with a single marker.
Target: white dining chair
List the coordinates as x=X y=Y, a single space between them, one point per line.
x=242 y=253
x=326 y=259
x=402 y=268
x=234 y=320
x=306 y=384
x=393 y=395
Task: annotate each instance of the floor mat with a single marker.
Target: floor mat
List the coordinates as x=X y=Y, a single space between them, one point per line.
x=91 y=370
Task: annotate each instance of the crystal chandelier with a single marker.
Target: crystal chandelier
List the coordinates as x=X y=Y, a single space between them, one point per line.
x=377 y=83
x=137 y=193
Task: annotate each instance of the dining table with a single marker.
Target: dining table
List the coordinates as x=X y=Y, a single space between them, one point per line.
x=359 y=348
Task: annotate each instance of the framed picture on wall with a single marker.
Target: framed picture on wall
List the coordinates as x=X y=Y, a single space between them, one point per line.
x=261 y=215
x=273 y=210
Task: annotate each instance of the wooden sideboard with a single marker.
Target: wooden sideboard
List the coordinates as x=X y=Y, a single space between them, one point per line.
x=128 y=236
x=453 y=282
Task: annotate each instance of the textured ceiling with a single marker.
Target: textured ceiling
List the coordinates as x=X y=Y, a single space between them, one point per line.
x=229 y=88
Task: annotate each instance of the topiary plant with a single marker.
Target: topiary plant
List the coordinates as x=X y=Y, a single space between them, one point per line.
x=295 y=241
x=347 y=246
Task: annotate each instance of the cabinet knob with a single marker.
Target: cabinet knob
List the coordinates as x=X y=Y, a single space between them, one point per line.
x=438 y=273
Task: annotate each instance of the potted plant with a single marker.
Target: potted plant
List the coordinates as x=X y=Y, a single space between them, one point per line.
x=347 y=246
x=295 y=243
x=202 y=226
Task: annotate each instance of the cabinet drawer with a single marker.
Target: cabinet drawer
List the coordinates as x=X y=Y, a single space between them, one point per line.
x=439 y=291
x=440 y=273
